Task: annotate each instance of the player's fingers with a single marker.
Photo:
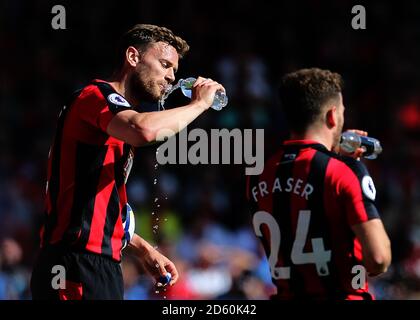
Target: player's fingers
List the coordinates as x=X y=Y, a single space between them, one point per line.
x=174 y=273
x=215 y=85
x=199 y=81
x=162 y=277
x=161 y=268
x=206 y=82
x=358 y=153
x=359 y=132
x=220 y=87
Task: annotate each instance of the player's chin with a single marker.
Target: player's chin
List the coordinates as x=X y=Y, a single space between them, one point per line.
x=157 y=97
x=154 y=95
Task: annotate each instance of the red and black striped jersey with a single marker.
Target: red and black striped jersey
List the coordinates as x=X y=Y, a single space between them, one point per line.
x=304 y=204
x=87 y=172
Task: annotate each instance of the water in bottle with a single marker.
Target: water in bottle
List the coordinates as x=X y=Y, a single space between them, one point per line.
x=350 y=141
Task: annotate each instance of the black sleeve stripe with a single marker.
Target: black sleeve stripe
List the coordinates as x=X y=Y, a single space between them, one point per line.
x=360 y=170
x=319 y=218
x=366 y=185
x=54 y=180
x=116 y=102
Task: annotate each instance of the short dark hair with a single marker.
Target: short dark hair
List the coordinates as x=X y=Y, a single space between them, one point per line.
x=142 y=35
x=303 y=94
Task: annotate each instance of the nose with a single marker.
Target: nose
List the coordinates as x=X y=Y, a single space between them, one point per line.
x=170 y=75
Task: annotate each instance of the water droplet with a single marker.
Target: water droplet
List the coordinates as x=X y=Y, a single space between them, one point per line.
x=153 y=213
x=166 y=198
x=157 y=219
x=166 y=219
x=156 y=199
x=156 y=165
x=155 y=181
x=158 y=205
x=164 y=297
x=157 y=291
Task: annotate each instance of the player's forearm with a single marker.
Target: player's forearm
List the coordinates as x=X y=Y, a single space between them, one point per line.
x=139 y=245
x=377 y=255
x=378 y=262
x=375 y=269
x=151 y=125
x=376 y=246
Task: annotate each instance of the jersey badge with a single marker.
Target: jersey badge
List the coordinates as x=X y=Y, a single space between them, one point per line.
x=368 y=187
x=118 y=100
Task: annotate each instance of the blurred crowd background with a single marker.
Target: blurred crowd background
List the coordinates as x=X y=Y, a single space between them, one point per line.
x=197 y=215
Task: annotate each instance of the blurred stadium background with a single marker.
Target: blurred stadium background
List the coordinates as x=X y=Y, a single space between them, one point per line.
x=204 y=224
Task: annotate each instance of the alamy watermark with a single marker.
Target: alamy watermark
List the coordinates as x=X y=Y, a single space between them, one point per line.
x=247 y=146
x=359 y=20
x=59 y=20
x=359 y=280
x=59 y=280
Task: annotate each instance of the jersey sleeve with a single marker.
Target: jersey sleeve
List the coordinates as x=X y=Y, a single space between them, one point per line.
x=99 y=103
x=359 y=193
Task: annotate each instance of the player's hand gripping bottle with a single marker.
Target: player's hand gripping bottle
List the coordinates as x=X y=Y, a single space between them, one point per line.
x=220 y=98
x=351 y=141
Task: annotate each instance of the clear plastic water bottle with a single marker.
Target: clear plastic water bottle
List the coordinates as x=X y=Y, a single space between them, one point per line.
x=350 y=141
x=220 y=98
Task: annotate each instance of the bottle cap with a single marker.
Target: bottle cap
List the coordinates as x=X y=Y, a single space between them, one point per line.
x=164 y=280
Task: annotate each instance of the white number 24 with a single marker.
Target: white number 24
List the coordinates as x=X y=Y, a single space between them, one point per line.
x=319 y=256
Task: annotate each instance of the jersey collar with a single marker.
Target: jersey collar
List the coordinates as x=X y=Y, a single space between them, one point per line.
x=304 y=143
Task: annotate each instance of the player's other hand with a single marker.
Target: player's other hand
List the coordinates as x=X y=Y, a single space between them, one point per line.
x=359 y=151
x=157 y=265
x=204 y=90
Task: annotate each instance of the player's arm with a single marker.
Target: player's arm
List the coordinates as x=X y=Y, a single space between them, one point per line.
x=363 y=217
x=152 y=260
x=138 y=129
x=376 y=246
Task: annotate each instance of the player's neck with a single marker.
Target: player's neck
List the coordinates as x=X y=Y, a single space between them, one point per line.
x=319 y=136
x=120 y=83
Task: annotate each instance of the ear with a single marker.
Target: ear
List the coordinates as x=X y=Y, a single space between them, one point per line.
x=132 y=56
x=331 y=117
